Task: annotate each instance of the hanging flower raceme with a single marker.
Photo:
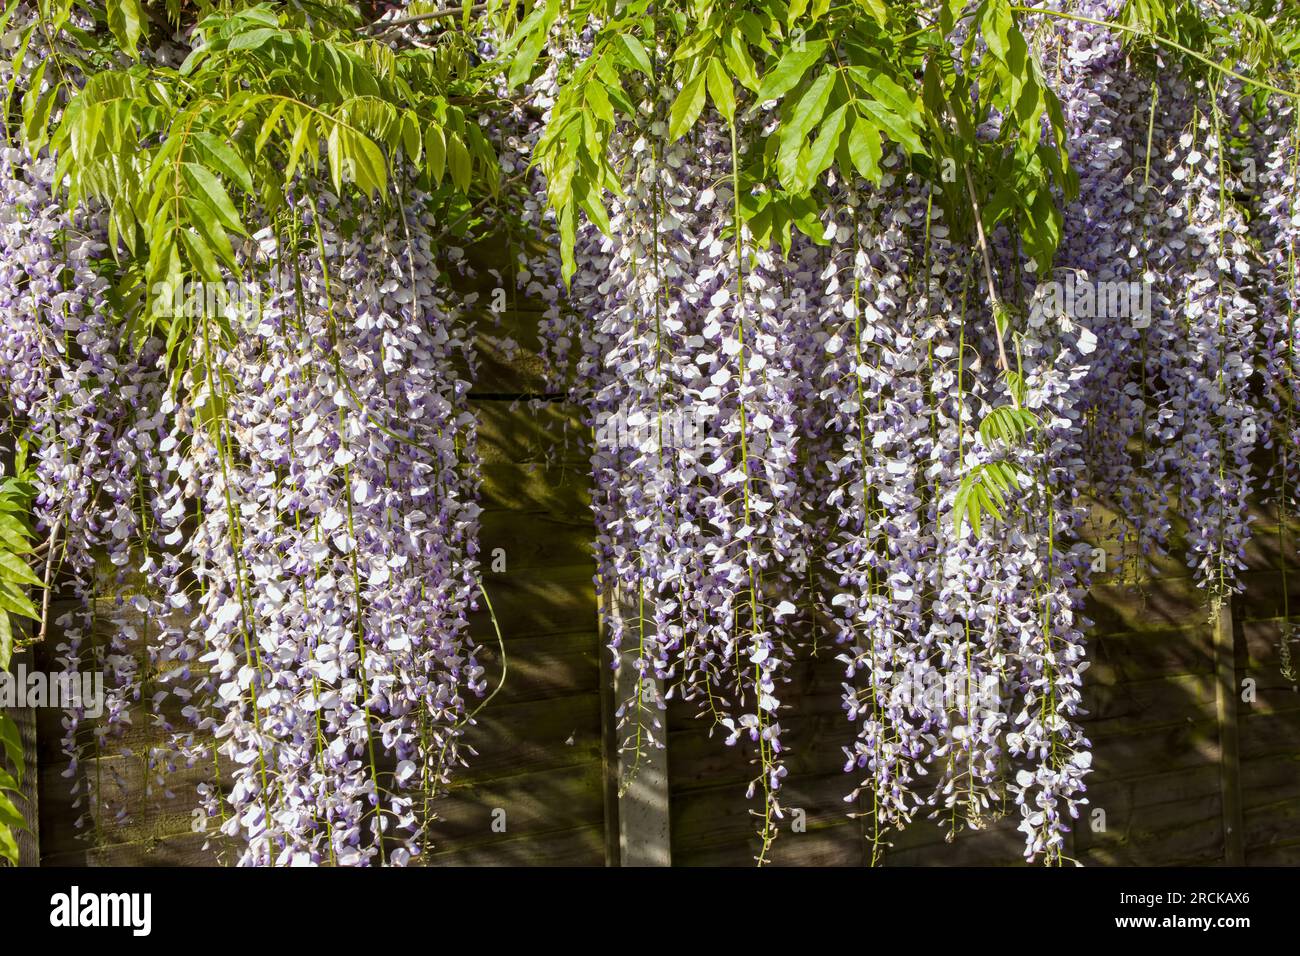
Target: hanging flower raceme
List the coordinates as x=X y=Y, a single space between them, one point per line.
x=690 y=382
x=85 y=405
x=1104 y=280
x=876 y=563
x=1278 y=296
x=1204 y=333
x=336 y=544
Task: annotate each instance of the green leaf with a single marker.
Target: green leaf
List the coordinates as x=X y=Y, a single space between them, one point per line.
x=252 y=39
x=225 y=159
x=36 y=113
x=634 y=53
x=598 y=100
x=810 y=108
x=995 y=26
x=864 y=148
x=877 y=10
x=208 y=188
x=13 y=568
x=741 y=63
x=372 y=169
x=1000 y=475
x=16 y=602
x=6 y=14
x=435 y=153
x=14 y=534
x=301 y=137
x=559 y=176
x=568 y=241
x=1015 y=385
x=989 y=427
x=341 y=165
x=989 y=495
x=991 y=492
x=686 y=108
x=1007 y=424
x=268 y=127
x=806 y=114
x=412 y=141
x=896 y=98
x=12 y=742
x=721 y=91
x=528 y=40
x=458 y=163
x=897 y=129
x=822 y=153
x=1041 y=230
x=789 y=70
x=596 y=210
x=214 y=235
x=200 y=255
x=959 y=503
x=16 y=65
x=261 y=13
x=10 y=816
x=6 y=640
x=126 y=20
x=8 y=847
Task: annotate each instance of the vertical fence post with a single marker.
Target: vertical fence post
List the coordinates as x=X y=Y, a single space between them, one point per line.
x=640 y=817
x=1226 y=690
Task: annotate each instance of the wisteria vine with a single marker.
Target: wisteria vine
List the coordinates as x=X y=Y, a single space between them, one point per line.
x=881 y=363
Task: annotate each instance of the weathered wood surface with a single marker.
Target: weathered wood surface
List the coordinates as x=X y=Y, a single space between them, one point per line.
x=1269 y=732
x=534 y=789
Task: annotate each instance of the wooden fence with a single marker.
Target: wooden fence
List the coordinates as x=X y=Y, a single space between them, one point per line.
x=1195 y=722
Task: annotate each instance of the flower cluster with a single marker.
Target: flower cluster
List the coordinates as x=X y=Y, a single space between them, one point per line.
x=294 y=547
